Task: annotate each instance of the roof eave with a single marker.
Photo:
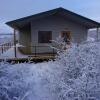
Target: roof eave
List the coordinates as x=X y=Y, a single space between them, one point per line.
x=15 y=23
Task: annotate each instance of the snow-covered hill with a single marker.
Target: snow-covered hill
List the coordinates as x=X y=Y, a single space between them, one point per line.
x=4 y=40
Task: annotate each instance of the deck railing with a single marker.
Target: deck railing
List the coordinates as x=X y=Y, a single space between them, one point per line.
x=5 y=46
x=38 y=51
x=6 y=43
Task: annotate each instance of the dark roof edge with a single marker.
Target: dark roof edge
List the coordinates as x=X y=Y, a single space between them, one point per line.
x=54 y=10
x=33 y=15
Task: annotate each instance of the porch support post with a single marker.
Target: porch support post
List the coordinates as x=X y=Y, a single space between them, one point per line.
x=15 y=53
x=97 y=34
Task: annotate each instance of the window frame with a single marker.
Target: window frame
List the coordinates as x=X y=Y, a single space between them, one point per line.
x=41 y=37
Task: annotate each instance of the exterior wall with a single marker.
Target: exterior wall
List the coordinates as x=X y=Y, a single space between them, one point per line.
x=56 y=25
x=25 y=40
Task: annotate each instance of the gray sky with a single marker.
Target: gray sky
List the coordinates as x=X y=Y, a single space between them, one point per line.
x=14 y=9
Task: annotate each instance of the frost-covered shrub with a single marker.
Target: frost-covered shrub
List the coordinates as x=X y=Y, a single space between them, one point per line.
x=13 y=84
x=80 y=71
x=29 y=81
x=74 y=74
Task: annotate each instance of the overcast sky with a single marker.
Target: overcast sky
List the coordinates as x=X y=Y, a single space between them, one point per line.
x=14 y=9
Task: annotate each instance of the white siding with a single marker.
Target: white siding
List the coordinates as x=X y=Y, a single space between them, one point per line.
x=57 y=25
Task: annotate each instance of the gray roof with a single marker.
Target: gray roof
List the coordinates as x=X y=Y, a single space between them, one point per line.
x=88 y=23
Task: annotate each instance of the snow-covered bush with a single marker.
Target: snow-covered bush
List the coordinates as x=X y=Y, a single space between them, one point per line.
x=74 y=74
x=80 y=71
x=28 y=81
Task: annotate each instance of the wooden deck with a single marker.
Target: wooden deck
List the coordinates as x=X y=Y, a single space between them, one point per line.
x=34 y=58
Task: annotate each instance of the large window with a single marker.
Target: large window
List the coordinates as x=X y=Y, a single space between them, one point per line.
x=44 y=36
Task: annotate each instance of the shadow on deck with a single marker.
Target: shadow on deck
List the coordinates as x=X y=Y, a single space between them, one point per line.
x=31 y=58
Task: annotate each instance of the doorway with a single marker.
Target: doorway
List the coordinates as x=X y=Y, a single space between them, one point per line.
x=66 y=35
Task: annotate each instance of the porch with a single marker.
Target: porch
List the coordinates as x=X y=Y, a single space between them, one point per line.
x=15 y=54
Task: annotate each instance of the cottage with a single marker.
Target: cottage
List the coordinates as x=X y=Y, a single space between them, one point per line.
x=36 y=31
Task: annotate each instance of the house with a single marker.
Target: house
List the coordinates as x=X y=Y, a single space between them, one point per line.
x=36 y=31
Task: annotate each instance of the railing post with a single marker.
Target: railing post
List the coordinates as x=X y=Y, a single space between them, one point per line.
x=2 y=49
x=15 y=43
x=8 y=46
x=35 y=50
x=53 y=52
x=97 y=32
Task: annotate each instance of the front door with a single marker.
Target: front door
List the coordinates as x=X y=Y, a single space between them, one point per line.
x=66 y=35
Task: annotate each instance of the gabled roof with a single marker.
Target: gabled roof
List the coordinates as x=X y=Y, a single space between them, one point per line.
x=88 y=23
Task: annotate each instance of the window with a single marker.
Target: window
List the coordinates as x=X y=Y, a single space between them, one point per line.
x=66 y=36
x=44 y=36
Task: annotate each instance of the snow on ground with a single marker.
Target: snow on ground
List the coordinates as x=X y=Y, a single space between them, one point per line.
x=10 y=54
x=90 y=39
